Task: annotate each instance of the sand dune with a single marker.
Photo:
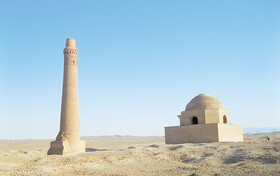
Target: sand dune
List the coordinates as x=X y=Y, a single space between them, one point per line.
x=127 y=155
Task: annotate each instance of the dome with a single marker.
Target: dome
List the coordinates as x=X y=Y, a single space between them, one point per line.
x=204 y=101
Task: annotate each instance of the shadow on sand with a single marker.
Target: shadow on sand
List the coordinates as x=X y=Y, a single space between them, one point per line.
x=94 y=150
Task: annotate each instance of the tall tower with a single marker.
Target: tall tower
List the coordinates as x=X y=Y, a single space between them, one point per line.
x=68 y=139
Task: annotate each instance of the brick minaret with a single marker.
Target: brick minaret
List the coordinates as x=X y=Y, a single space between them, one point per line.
x=68 y=139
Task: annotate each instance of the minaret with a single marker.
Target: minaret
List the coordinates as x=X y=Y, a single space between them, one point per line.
x=68 y=139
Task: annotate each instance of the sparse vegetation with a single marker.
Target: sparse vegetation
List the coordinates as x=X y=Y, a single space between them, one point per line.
x=108 y=156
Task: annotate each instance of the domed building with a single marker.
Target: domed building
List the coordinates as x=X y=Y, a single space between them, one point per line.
x=204 y=120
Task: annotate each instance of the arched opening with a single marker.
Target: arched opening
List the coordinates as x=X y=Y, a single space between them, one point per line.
x=225 y=119
x=194 y=120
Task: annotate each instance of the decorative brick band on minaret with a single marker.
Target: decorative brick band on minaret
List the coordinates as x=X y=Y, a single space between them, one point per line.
x=68 y=139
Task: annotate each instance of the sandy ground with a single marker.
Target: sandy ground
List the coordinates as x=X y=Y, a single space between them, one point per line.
x=126 y=155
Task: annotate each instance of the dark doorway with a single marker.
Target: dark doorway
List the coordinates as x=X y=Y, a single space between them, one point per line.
x=225 y=119
x=194 y=120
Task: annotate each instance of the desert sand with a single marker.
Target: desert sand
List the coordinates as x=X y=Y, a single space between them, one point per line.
x=128 y=155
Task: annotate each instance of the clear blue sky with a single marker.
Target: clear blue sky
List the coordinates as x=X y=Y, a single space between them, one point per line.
x=139 y=62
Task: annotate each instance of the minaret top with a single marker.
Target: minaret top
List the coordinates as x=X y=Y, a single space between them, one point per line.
x=70 y=43
x=70 y=48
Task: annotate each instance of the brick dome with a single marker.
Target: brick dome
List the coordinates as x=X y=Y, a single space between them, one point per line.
x=204 y=101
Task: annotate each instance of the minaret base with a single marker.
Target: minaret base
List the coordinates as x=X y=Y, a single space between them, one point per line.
x=64 y=148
